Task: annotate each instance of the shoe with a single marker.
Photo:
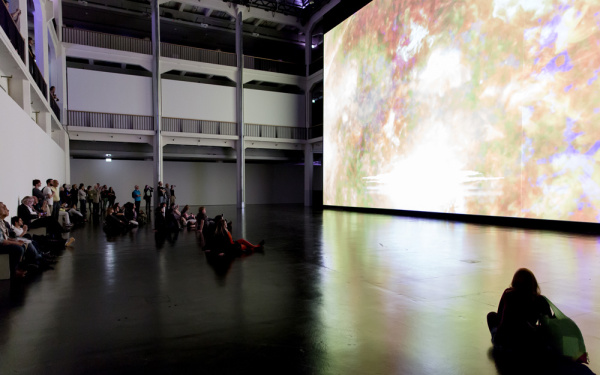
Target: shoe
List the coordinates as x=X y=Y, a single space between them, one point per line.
x=70 y=241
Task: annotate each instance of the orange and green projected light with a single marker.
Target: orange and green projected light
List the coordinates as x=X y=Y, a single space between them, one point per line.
x=480 y=107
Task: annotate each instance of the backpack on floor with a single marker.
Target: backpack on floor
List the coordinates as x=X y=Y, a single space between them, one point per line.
x=564 y=335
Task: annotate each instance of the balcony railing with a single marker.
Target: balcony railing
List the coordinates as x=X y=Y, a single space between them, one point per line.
x=12 y=31
x=197 y=54
x=55 y=107
x=110 y=41
x=37 y=76
x=271 y=131
x=110 y=120
x=180 y=125
x=273 y=66
x=129 y=44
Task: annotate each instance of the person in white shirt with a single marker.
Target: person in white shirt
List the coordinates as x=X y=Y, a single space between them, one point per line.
x=48 y=196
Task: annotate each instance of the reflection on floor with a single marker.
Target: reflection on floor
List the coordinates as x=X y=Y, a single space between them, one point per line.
x=333 y=293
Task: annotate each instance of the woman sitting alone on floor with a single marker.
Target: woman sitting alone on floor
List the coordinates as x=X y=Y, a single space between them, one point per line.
x=223 y=241
x=515 y=326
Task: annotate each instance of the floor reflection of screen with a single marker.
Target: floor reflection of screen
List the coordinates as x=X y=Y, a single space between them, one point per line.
x=479 y=107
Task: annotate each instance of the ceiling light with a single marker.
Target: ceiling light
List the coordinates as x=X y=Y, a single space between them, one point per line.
x=108 y=160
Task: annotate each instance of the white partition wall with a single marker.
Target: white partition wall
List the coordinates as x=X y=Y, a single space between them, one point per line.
x=273 y=108
x=27 y=153
x=94 y=91
x=198 y=101
x=197 y=183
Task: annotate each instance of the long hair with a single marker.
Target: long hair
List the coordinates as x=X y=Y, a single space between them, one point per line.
x=221 y=227
x=524 y=281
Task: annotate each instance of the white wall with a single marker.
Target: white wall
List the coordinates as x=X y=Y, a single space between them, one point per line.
x=197 y=183
x=198 y=101
x=27 y=153
x=273 y=108
x=94 y=91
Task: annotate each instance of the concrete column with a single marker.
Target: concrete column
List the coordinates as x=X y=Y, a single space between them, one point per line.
x=23 y=25
x=308 y=174
x=20 y=91
x=41 y=39
x=156 y=97
x=239 y=106
x=67 y=149
x=308 y=49
x=44 y=121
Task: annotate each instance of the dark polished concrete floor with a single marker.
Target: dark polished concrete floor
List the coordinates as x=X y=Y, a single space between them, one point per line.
x=333 y=293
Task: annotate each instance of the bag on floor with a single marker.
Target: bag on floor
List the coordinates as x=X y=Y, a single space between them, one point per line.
x=564 y=335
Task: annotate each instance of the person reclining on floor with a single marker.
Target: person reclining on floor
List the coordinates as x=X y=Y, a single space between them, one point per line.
x=188 y=218
x=222 y=241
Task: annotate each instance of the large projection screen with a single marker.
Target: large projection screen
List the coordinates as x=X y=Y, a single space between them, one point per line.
x=472 y=107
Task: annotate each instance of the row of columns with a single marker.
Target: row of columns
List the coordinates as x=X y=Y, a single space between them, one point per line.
x=240 y=149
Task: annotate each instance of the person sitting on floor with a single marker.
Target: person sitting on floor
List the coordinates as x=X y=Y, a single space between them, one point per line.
x=514 y=326
x=223 y=242
x=113 y=223
x=188 y=218
x=34 y=219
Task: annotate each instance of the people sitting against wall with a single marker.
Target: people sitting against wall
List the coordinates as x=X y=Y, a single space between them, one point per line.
x=14 y=248
x=188 y=219
x=34 y=253
x=34 y=219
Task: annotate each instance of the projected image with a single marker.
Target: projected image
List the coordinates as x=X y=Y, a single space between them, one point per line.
x=479 y=107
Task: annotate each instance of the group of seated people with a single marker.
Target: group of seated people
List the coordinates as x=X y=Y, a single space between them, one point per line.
x=122 y=218
x=30 y=252
x=215 y=234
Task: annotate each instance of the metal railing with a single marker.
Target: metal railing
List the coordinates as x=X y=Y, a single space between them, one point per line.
x=273 y=131
x=55 y=107
x=267 y=65
x=37 y=76
x=197 y=54
x=110 y=41
x=12 y=31
x=181 y=125
x=110 y=120
x=315 y=131
x=129 y=44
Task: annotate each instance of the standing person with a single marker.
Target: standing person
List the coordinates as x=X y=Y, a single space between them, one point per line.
x=55 y=199
x=104 y=197
x=82 y=195
x=167 y=195
x=48 y=193
x=112 y=197
x=148 y=198
x=74 y=195
x=137 y=197
x=161 y=193
x=172 y=195
x=64 y=194
x=89 y=197
x=94 y=195
x=37 y=192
